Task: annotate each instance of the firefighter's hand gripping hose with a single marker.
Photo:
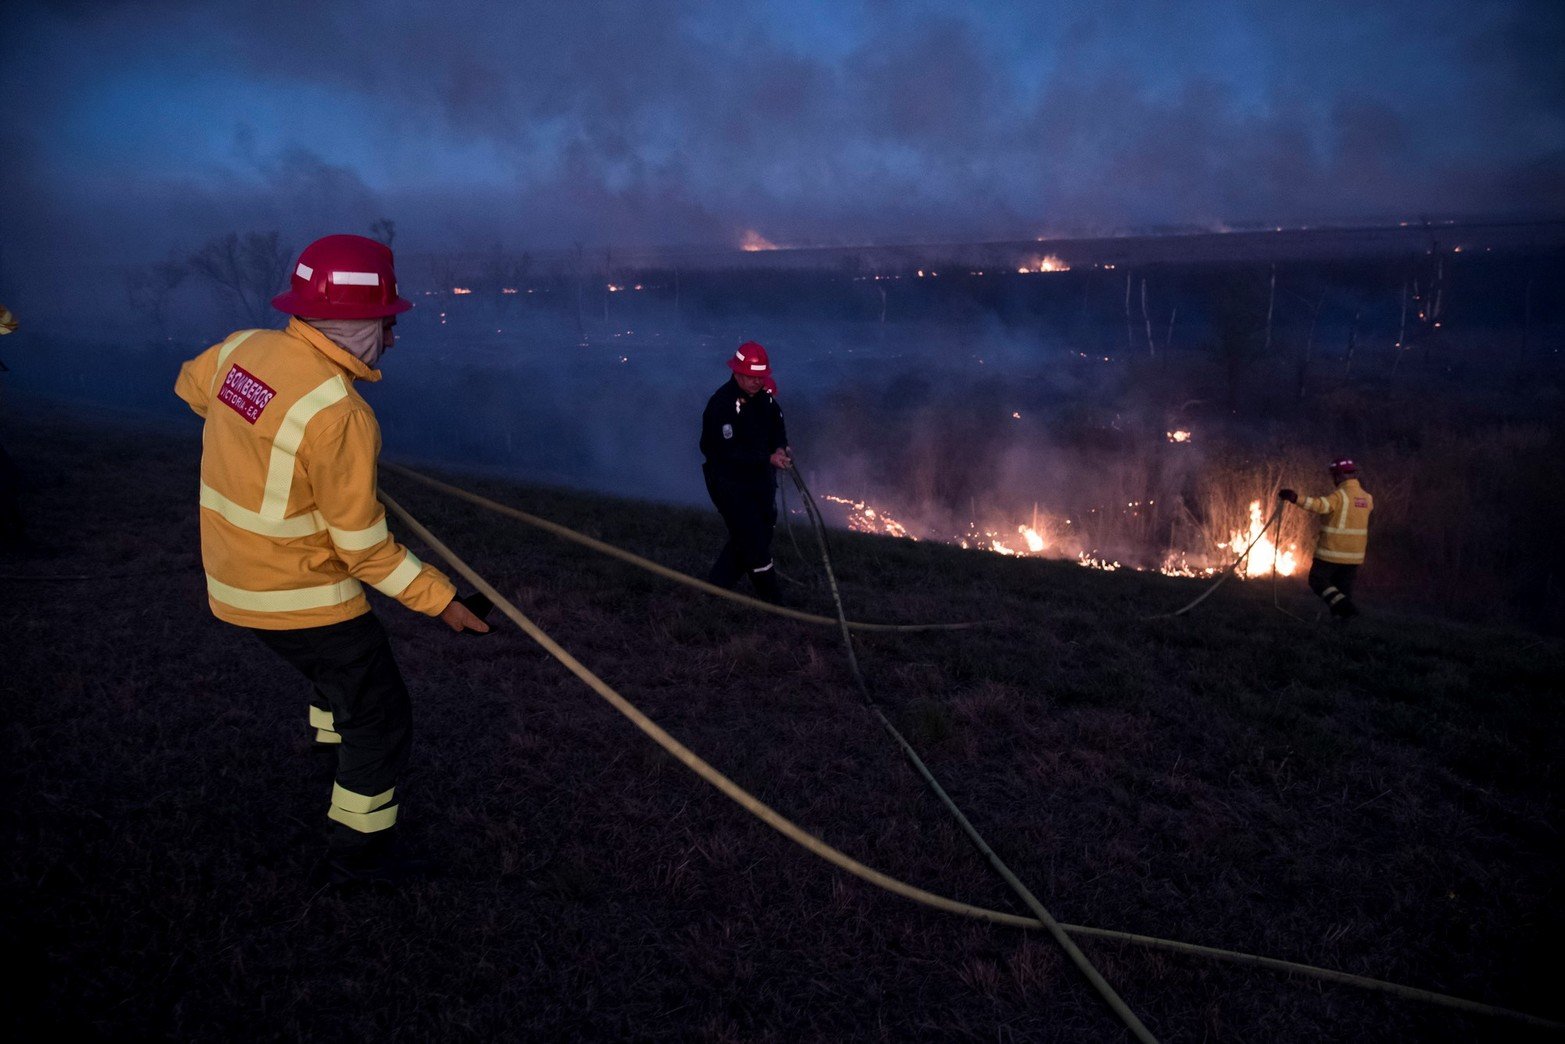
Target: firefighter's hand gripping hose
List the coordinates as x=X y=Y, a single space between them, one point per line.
x=650 y=566
x=820 y=848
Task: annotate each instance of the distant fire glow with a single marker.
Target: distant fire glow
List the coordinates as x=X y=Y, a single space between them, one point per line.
x=753 y=241
x=1046 y=263
x=460 y=290
x=1179 y=436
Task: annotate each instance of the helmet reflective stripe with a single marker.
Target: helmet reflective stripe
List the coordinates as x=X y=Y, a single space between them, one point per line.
x=758 y=366
x=305 y=271
x=355 y=278
x=739 y=356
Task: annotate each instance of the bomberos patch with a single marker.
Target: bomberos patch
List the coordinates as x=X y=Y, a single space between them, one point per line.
x=245 y=393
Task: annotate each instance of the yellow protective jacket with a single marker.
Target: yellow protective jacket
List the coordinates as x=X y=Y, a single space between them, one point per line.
x=289 y=519
x=1346 y=533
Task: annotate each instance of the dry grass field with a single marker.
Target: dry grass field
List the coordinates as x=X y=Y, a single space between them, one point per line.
x=1383 y=800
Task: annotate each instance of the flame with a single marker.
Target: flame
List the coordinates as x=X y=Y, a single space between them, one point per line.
x=753 y=240
x=862 y=518
x=1179 y=436
x=460 y=290
x=1046 y=263
x=1263 y=555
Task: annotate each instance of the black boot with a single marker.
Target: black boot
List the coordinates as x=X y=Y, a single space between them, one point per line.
x=765 y=581
x=370 y=859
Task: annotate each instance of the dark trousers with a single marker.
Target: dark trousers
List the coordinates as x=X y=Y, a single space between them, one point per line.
x=355 y=678
x=1333 y=582
x=749 y=511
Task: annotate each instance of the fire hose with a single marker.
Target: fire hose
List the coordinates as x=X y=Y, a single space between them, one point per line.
x=1085 y=966
x=675 y=575
x=825 y=851
x=1230 y=569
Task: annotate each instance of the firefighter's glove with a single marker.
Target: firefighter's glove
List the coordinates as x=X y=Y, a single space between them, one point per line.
x=1289 y=495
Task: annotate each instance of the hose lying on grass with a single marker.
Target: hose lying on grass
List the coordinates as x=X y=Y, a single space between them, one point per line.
x=600 y=546
x=1110 y=997
x=820 y=848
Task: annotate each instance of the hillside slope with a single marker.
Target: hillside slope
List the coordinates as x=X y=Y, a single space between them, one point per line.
x=1384 y=800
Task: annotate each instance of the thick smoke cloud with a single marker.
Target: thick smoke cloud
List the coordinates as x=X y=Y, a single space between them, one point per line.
x=133 y=129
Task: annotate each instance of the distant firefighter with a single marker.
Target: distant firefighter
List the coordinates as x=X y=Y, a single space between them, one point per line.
x=1340 y=549
x=744 y=440
x=291 y=527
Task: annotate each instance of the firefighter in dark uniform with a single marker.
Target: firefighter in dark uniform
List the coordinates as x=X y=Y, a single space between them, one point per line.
x=743 y=440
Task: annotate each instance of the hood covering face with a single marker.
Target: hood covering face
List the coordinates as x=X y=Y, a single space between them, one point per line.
x=364 y=339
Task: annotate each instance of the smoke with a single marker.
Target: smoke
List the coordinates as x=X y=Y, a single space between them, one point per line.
x=133 y=130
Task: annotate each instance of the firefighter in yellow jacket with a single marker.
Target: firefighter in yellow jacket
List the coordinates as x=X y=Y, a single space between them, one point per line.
x=1343 y=538
x=291 y=528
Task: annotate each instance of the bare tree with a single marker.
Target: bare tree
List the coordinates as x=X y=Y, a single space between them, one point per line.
x=385 y=230
x=1130 y=337
x=1307 y=356
x=504 y=273
x=245 y=270
x=579 y=274
x=1147 y=318
x=1353 y=343
x=150 y=287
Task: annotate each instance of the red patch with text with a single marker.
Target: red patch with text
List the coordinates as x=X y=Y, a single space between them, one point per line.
x=245 y=393
x=1360 y=502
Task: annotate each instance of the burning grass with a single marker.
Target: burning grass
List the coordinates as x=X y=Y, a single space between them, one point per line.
x=1383 y=800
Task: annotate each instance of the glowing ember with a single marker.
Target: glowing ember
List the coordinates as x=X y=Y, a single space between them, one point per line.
x=1179 y=436
x=1264 y=555
x=1047 y=263
x=753 y=241
x=509 y=290
x=864 y=519
x=460 y=290
x=1091 y=561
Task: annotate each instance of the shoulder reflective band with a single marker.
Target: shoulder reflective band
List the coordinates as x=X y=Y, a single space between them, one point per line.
x=285 y=444
x=399 y=578
x=289 y=601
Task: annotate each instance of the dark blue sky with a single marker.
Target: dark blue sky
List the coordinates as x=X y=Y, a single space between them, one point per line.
x=135 y=128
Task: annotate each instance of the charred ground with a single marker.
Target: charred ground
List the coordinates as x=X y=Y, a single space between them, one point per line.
x=1384 y=801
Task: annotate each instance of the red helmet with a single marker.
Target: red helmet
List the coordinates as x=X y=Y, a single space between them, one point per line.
x=1344 y=466
x=751 y=361
x=343 y=277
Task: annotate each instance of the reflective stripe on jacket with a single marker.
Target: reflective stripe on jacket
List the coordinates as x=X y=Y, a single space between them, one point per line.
x=290 y=523
x=1346 y=533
